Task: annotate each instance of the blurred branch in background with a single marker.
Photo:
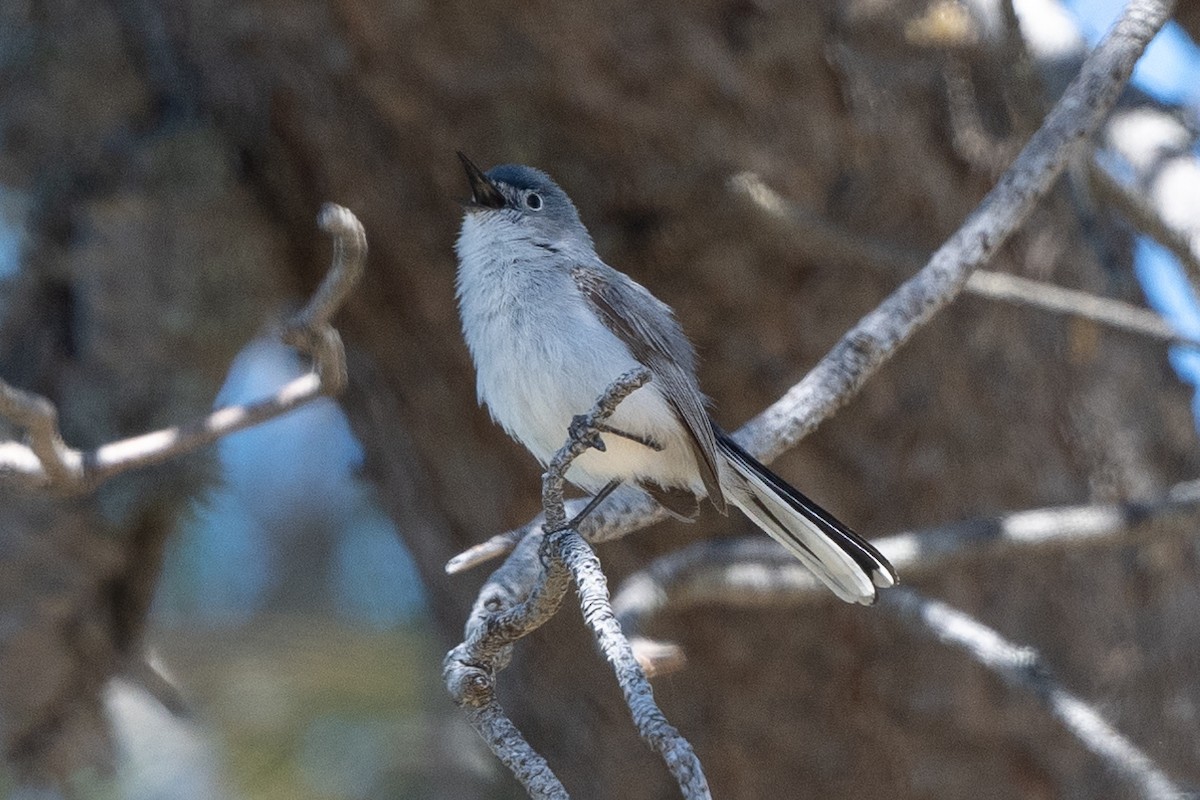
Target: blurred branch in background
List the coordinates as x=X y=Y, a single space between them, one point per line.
x=1145 y=217
x=842 y=373
x=825 y=240
x=1024 y=668
x=47 y=462
x=754 y=572
x=505 y=612
x=757 y=573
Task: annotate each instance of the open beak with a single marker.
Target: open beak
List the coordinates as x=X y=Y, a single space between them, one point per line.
x=483 y=192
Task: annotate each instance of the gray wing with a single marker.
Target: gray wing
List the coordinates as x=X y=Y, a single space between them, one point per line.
x=648 y=328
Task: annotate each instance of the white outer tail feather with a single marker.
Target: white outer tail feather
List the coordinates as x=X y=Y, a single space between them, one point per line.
x=814 y=541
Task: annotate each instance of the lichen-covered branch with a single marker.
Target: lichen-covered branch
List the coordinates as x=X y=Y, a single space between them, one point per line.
x=598 y=613
x=504 y=612
x=45 y=461
x=842 y=373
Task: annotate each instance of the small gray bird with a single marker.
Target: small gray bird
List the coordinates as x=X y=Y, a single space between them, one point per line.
x=550 y=326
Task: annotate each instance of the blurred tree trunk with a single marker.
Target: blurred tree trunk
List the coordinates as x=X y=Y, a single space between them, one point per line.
x=146 y=266
x=643 y=111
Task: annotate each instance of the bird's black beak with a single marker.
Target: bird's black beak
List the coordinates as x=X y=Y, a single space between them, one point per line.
x=483 y=192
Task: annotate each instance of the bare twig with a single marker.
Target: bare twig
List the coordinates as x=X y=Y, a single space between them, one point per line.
x=842 y=373
x=141 y=671
x=46 y=462
x=1074 y=303
x=968 y=134
x=1024 y=668
x=584 y=435
x=653 y=726
x=503 y=613
x=624 y=507
x=827 y=240
x=498 y=546
x=310 y=330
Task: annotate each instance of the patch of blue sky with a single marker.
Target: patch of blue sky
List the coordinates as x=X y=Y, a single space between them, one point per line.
x=218 y=567
x=376 y=580
x=12 y=230
x=1170 y=67
x=299 y=466
x=1170 y=71
x=1169 y=292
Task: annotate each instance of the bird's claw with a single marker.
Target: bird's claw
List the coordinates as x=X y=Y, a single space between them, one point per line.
x=584 y=431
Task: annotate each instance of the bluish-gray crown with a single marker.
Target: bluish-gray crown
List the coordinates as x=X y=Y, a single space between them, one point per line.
x=517 y=181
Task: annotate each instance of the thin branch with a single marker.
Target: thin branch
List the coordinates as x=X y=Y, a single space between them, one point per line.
x=1023 y=667
x=828 y=241
x=46 y=454
x=842 y=373
x=968 y=134
x=503 y=613
x=1074 y=303
x=583 y=435
x=756 y=573
x=1144 y=217
x=867 y=346
x=498 y=546
x=502 y=736
x=651 y=723
x=141 y=671
x=47 y=462
x=613 y=519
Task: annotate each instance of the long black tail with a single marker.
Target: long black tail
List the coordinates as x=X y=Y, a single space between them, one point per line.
x=847 y=563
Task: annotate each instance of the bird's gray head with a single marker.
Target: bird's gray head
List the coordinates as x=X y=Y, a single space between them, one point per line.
x=524 y=200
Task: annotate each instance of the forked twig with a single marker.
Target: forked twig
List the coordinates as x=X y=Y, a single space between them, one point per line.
x=502 y=615
x=47 y=462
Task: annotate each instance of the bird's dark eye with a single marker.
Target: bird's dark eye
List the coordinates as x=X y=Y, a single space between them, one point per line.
x=534 y=201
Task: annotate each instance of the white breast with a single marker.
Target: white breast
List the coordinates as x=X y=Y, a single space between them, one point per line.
x=542 y=356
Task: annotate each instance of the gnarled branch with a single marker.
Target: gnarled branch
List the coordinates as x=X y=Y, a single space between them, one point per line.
x=504 y=612
x=47 y=462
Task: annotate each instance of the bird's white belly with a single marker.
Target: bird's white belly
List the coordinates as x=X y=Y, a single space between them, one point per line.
x=542 y=371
